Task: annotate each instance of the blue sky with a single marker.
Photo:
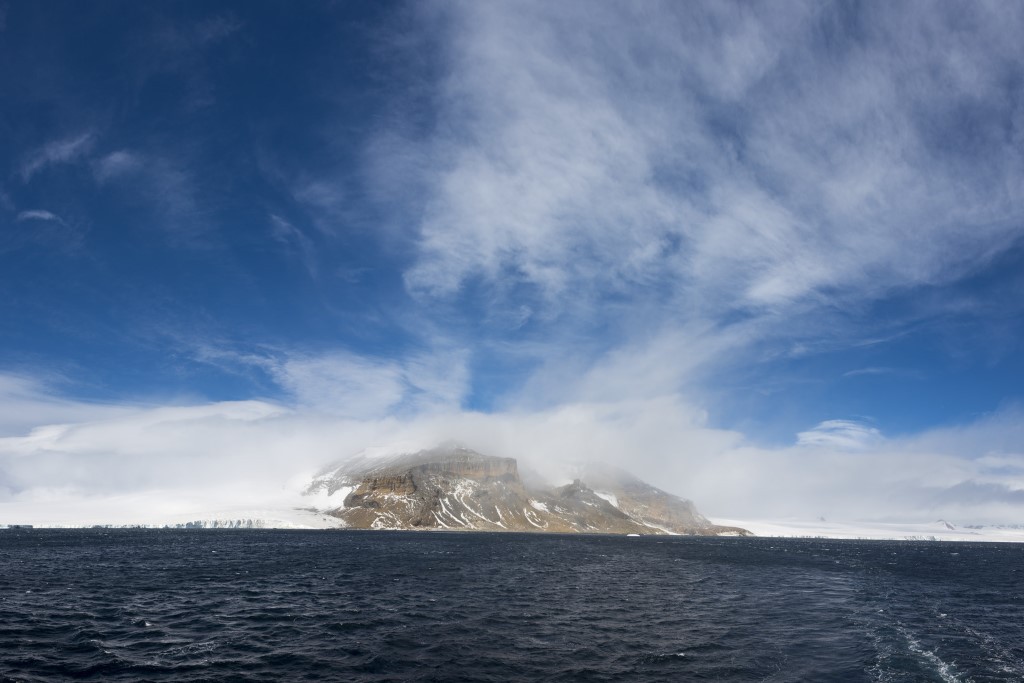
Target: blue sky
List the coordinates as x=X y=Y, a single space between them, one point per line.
x=794 y=224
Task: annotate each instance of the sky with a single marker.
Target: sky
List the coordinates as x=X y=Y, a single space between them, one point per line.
x=767 y=256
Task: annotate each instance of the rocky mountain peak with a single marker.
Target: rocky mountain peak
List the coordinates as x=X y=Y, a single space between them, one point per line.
x=452 y=486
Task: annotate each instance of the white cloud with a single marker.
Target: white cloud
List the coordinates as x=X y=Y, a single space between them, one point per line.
x=713 y=151
x=241 y=452
x=841 y=435
x=327 y=203
x=871 y=370
x=57 y=152
x=436 y=380
x=296 y=241
x=344 y=384
x=187 y=38
x=138 y=449
x=165 y=183
x=663 y=363
x=39 y=215
x=116 y=164
x=215 y=29
x=26 y=403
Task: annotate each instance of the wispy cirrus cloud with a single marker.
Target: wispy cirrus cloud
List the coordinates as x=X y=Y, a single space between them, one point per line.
x=116 y=164
x=29 y=402
x=347 y=385
x=326 y=201
x=736 y=157
x=44 y=228
x=358 y=387
x=873 y=370
x=879 y=371
x=184 y=38
x=66 y=150
x=163 y=183
x=840 y=434
x=38 y=215
x=296 y=241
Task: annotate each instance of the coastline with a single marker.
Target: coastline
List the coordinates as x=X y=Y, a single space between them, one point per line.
x=308 y=519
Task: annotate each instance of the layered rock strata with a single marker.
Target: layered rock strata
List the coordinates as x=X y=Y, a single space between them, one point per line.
x=453 y=487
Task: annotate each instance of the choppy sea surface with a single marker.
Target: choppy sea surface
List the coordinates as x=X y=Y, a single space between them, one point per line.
x=180 y=605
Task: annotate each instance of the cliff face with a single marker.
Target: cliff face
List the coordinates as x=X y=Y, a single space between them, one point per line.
x=452 y=487
x=460 y=462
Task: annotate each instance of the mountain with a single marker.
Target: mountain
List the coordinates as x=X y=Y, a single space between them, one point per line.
x=644 y=503
x=454 y=487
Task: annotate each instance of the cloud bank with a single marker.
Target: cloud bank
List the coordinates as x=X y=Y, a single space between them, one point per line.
x=248 y=453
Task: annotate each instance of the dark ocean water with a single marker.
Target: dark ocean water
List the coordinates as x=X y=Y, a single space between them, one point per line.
x=379 y=606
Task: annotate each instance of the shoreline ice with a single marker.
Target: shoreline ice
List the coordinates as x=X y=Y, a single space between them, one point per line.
x=938 y=530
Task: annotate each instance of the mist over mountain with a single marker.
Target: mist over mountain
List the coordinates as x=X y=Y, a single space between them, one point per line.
x=454 y=487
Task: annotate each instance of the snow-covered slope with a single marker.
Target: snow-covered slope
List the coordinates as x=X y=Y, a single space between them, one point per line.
x=199 y=518
x=939 y=530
